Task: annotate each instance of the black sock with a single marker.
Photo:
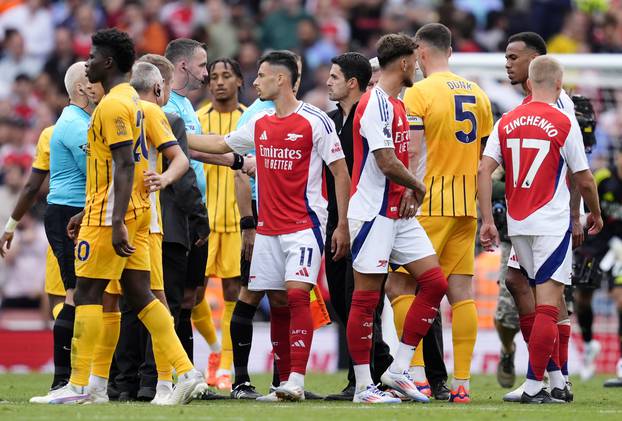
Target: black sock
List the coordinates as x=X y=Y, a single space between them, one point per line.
x=184 y=331
x=585 y=316
x=241 y=339
x=276 y=379
x=620 y=327
x=63 y=333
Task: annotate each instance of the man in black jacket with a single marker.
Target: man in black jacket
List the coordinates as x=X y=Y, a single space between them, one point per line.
x=347 y=81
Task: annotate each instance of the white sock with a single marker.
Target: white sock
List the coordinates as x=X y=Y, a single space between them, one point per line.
x=566 y=377
x=557 y=379
x=417 y=372
x=363 y=376
x=456 y=383
x=96 y=382
x=164 y=383
x=533 y=387
x=223 y=372
x=297 y=379
x=402 y=358
x=215 y=347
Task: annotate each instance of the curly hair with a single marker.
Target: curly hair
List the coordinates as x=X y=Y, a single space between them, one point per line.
x=393 y=46
x=117 y=45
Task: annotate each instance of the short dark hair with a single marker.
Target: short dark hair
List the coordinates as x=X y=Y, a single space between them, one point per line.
x=283 y=58
x=354 y=65
x=182 y=48
x=118 y=45
x=228 y=63
x=435 y=34
x=532 y=41
x=393 y=46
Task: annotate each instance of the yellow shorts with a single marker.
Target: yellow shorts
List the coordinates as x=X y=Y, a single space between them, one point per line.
x=453 y=239
x=96 y=258
x=53 y=281
x=155 y=257
x=223 y=256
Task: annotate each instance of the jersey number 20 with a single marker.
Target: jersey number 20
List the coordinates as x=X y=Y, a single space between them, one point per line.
x=464 y=115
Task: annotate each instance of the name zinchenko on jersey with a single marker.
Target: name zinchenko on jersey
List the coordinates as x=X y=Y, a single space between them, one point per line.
x=531 y=120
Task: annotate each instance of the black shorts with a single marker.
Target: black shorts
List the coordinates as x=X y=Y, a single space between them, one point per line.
x=197 y=262
x=55 y=220
x=245 y=265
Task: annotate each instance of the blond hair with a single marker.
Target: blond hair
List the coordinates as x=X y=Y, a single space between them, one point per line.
x=545 y=72
x=163 y=64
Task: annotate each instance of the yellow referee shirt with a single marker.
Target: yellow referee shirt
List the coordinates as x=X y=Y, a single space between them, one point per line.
x=455 y=115
x=117 y=121
x=221 y=202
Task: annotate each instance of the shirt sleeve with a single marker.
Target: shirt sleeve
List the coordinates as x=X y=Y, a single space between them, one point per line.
x=242 y=140
x=573 y=151
x=158 y=130
x=117 y=123
x=493 y=145
x=414 y=100
x=327 y=142
x=376 y=123
x=41 y=162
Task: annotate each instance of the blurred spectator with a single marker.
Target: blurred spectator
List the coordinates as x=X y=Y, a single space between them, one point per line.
x=24 y=273
x=313 y=47
x=333 y=26
x=248 y=57
x=494 y=36
x=609 y=35
x=142 y=24
x=222 y=35
x=182 y=17
x=62 y=57
x=279 y=28
x=34 y=22
x=574 y=36
x=318 y=96
x=463 y=33
x=14 y=172
x=23 y=101
x=547 y=16
x=86 y=24
x=365 y=20
x=15 y=149
x=15 y=61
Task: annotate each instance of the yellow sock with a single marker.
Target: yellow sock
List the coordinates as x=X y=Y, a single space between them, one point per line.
x=226 y=357
x=202 y=320
x=401 y=305
x=107 y=343
x=87 y=327
x=163 y=365
x=157 y=320
x=57 y=308
x=464 y=334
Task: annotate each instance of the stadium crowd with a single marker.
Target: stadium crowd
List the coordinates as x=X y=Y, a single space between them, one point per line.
x=41 y=41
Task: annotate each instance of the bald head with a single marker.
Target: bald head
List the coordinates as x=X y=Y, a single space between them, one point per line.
x=75 y=80
x=545 y=73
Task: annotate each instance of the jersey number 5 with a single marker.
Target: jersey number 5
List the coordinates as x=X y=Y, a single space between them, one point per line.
x=463 y=115
x=515 y=147
x=140 y=147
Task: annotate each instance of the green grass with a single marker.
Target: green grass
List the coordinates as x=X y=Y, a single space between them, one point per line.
x=592 y=401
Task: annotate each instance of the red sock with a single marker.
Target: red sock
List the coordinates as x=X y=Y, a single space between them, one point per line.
x=526 y=323
x=564 y=339
x=423 y=311
x=361 y=325
x=542 y=340
x=279 y=333
x=301 y=329
x=554 y=361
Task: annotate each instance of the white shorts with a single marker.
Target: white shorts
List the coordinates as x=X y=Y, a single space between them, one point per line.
x=383 y=241
x=287 y=257
x=543 y=257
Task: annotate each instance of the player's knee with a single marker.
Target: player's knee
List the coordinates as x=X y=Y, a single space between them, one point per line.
x=231 y=289
x=434 y=283
x=277 y=298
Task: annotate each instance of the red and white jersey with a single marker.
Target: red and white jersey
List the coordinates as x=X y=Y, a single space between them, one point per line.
x=379 y=122
x=289 y=153
x=564 y=104
x=537 y=143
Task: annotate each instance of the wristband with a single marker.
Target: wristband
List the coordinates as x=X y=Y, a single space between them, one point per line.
x=238 y=162
x=247 y=222
x=11 y=224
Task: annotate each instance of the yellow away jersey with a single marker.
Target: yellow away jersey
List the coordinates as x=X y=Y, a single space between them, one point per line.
x=455 y=115
x=221 y=202
x=159 y=137
x=117 y=121
x=41 y=162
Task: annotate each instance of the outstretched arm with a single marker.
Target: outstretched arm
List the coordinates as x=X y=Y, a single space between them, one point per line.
x=211 y=144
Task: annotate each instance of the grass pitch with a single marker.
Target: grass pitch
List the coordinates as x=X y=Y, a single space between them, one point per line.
x=592 y=402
